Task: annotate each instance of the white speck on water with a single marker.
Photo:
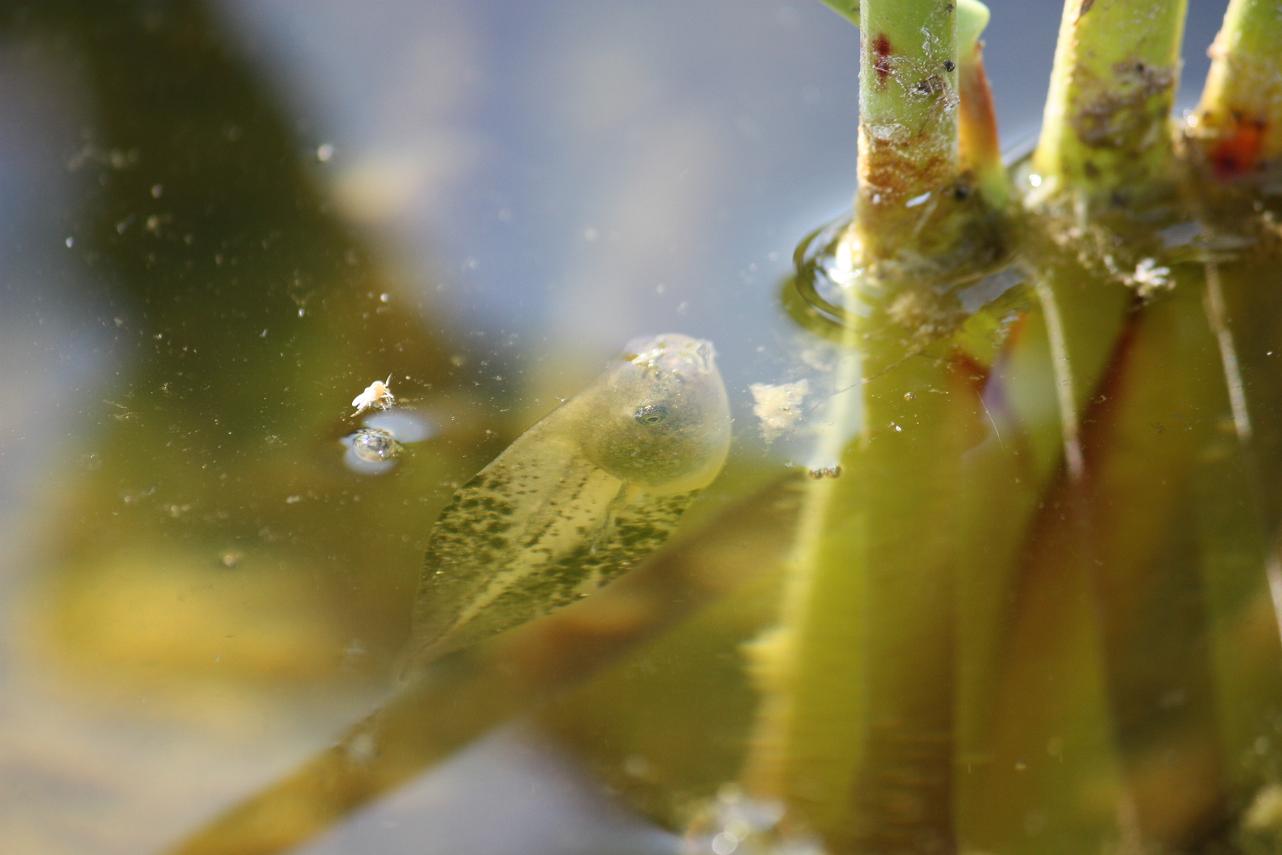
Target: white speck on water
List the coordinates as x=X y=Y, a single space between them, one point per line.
x=361 y=748
x=325 y=152
x=385 y=297
x=70 y=241
x=177 y=511
x=354 y=650
x=636 y=766
x=377 y=395
x=157 y=190
x=1150 y=278
x=293 y=500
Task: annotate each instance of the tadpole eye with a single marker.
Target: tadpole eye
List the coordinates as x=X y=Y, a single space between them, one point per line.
x=651 y=414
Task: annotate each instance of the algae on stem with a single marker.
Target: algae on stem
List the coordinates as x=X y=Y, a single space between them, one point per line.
x=908 y=127
x=1106 y=132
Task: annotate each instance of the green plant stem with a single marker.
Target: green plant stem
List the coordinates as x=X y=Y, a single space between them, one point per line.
x=908 y=127
x=1006 y=481
x=980 y=150
x=972 y=16
x=1105 y=135
x=858 y=737
x=1238 y=123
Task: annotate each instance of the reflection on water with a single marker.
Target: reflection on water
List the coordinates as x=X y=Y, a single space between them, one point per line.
x=374 y=447
x=220 y=220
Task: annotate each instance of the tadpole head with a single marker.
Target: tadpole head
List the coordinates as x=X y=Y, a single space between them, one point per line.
x=660 y=417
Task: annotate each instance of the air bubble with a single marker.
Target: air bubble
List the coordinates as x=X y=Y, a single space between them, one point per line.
x=375 y=445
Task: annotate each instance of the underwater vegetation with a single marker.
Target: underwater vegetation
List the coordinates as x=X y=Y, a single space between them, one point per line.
x=976 y=551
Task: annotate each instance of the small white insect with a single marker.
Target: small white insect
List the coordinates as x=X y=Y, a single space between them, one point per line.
x=377 y=394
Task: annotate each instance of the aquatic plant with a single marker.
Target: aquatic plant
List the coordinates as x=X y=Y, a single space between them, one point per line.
x=1029 y=605
x=906 y=705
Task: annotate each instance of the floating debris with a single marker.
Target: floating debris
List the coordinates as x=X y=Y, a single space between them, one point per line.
x=1149 y=278
x=377 y=395
x=735 y=824
x=778 y=406
x=1265 y=812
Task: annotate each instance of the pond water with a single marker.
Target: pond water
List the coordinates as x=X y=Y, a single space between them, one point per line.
x=220 y=222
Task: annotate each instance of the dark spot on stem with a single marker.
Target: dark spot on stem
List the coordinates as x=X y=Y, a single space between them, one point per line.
x=1084 y=8
x=949 y=65
x=881 y=50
